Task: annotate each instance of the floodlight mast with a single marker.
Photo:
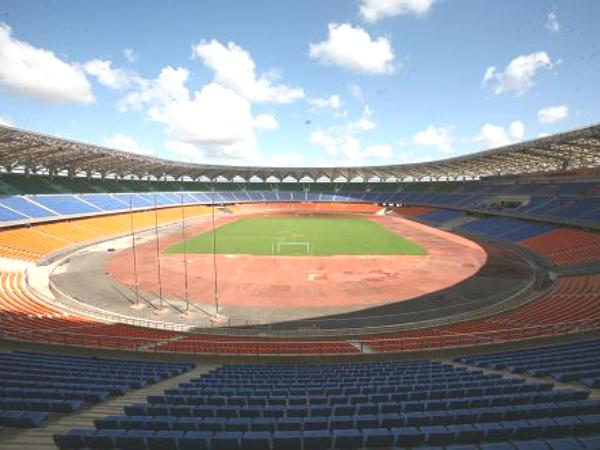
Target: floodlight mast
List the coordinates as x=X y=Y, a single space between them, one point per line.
x=216 y=282
x=185 y=261
x=137 y=303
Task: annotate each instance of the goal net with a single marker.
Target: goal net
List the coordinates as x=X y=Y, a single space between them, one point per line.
x=292 y=248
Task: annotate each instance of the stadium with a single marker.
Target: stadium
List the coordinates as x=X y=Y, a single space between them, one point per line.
x=299 y=225
x=457 y=309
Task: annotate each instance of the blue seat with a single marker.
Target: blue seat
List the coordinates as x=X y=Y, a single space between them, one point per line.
x=165 y=440
x=237 y=424
x=133 y=439
x=195 y=440
x=289 y=424
x=261 y=424
x=315 y=423
x=256 y=440
x=348 y=438
x=317 y=439
x=185 y=424
x=587 y=424
x=366 y=421
x=466 y=434
x=437 y=435
x=287 y=440
x=530 y=445
x=390 y=420
x=226 y=440
x=378 y=437
x=74 y=439
x=564 y=444
x=408 y=437
x=340 y=423
x=590 y=442
x=494 y=431
x=496 y=446
x=102 y=439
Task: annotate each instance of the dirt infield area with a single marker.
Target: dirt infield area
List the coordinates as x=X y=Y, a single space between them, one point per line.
x=285 y=287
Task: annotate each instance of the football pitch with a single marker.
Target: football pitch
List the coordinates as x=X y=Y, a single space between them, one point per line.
x=300 y=236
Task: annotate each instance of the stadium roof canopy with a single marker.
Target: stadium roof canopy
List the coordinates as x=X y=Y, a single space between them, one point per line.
x=32 y=152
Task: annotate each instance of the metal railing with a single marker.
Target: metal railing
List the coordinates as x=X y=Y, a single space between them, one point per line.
x=368 y=344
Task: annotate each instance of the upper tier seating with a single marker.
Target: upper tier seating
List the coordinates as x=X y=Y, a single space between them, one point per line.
x=579 y=361
x=511 y=229
x=35 y=384
x=26 y=207
x=66 y=204
x=39 y=240
x=348 y=406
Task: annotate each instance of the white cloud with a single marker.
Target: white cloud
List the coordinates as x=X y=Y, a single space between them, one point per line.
x=342 y=144
x=356 y=92
x=373 y=10
x=109 y=77
x=234 y=68
x=216 y=120
x=168 y=87
x=214 y=123
x=553 y=114
x=39 y=74
x=439 y=137
x=130 y=55
x=265 y=122
x=184 y=152
x=492 y=136
x=411 y=156
x=516 y=130
x=352 y=48
x=519 y=75
x=378 y=151
x=292 y=159
x=366 y=121
x=5 y=121
x=128 y=144
x=332 y=102
x=552 y=23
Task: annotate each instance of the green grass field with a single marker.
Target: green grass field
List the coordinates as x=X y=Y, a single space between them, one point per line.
x=301 y=236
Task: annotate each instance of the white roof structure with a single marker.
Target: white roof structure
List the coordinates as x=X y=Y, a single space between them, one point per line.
x=22 y=150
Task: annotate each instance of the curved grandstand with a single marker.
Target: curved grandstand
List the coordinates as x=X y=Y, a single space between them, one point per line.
x=100 y=249
x=88 y=235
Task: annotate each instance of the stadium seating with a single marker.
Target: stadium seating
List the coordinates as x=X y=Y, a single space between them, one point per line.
x=571 y=305
x=35 y=384
x=579 y=361
x=566 y=246
x=341 y=406
x=26 y=318
x=234 y=345
x=39 y=240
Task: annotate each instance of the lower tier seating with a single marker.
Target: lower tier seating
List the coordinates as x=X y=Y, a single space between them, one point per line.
x=565 y=247
x=573 y=304
x=33 y=385
x=25 y=317
x=347 y=406
x=247 y=345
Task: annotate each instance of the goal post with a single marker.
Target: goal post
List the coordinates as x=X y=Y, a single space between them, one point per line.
x=294 y=247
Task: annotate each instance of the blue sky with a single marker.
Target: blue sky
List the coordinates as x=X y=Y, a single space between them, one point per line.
x=336 y=82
